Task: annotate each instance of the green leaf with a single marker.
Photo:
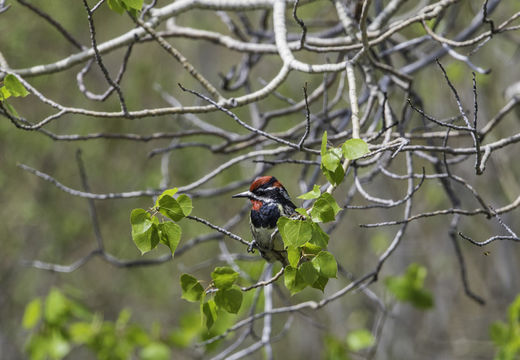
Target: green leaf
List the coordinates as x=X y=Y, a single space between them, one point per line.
x=324 y=143
x=4 y=93
x=14 y=86
x=170 y=235
x=133 y=12
x=293 y=280
x=229 y=299
x=302 y=212
x=169 y=207
x=293 y=255
x=81 y=332
x=325 y=208
x=58 y=346
x=410 y=287
x=169 y=192
x=335 y=349
x=360 y=339
x=296 y=233
x=185 y=204
x=354 y=149
x=313 y=194
x=320 y=283
x=311 y=249
x=56 y=307
x=175 y=209
x=209 y=309
x=506 y=335
x=325 y=263
x=133 y=4
x=334 y=177
x=144 y=231
x=308 y=272
x=514 y=311
x=319 y=237
x=332 y=159
x=192 y=290
x=155 y=351
x=117 y=6
x=224 y=277
x=282 y=221
x=32 y=314
x=499 y=333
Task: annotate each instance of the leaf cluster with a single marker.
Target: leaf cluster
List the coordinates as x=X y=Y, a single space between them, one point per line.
x=223 y=294
x=332 y=158
x=59 y=324
x=148 y=230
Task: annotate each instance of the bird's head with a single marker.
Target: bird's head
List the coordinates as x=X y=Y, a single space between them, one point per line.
x=266 y=189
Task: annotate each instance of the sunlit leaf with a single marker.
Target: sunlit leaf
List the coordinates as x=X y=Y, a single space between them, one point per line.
x=144 y=231
x=116 y=5
x=169 y=207
x=224 y=277
x=325 y=208
x=133 y=4
x=4 y=93
x=175 y=209
x=170 y=235
x=32 y=314
x=319 y=237
x=308 y=272
x=185 y=204
x=155 y=351
x=296 y=232
x=58 y=346
x=331 y=159
x=324 y=143
x=326 y=264
x=14 y=86
x=294 y=280
x=354 y=148
x=313 y=194
x=360 y=339
x=192 y=290
x=293 y=255
x=56 y=307
x=169 y=192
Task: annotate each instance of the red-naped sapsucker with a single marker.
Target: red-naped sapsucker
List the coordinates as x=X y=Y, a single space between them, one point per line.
x=269 y=201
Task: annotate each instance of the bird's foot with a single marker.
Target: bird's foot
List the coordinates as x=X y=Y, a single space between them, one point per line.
x=252 y=245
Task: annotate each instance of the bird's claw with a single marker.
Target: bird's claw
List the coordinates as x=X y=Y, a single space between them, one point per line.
x=252 y=245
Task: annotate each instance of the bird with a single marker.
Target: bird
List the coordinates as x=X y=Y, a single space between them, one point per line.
x=269 y=200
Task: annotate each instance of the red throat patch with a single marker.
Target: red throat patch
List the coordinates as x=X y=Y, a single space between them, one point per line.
x=257 y=204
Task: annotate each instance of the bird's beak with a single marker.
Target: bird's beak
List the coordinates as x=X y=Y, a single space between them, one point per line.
x=245 y=194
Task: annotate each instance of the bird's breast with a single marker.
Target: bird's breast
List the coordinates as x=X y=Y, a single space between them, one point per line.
x=266 y=216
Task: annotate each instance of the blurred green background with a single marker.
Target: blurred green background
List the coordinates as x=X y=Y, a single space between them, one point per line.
x=40 y=222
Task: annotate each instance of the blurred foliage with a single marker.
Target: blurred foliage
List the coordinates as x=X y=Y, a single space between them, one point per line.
x=410 y=287
x=355 y=342
x=41 y=222
x=506 y=335
x=59 y=325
